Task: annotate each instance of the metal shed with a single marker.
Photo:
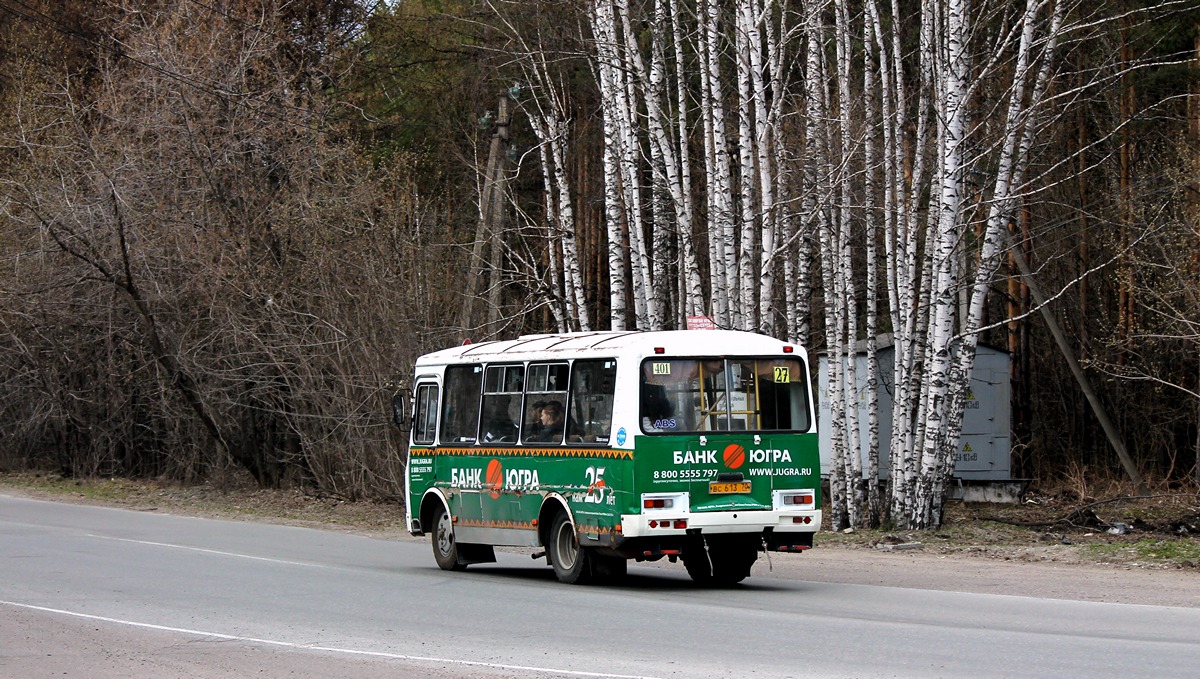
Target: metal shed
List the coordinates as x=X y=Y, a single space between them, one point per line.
x=983 y=464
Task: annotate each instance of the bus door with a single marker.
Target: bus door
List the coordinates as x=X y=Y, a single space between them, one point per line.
x=421 y=473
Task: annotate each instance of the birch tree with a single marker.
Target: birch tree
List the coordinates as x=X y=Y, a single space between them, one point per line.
x=932 y=262
x=951 y=341
x=887 y=140
x=549 y=117
x=612 y=98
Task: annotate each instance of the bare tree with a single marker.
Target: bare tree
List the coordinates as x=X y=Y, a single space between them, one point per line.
x=225 y=250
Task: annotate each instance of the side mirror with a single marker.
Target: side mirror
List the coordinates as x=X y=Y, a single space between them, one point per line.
x=401 y=410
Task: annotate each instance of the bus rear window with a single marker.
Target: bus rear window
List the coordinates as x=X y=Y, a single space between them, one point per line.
x=724 y=394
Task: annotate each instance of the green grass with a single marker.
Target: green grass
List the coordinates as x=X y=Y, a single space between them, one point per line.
x=100 y=490
x=1177 y=551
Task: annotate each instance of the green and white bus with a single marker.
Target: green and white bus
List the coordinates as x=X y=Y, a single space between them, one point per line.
x=597 y=448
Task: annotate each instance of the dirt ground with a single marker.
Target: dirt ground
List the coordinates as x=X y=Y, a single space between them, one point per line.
x=1118 y=549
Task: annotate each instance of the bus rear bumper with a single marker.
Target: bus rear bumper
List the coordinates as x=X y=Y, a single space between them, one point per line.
x=662 y=525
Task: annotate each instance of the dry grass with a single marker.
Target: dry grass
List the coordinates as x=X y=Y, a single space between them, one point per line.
x=239 y=500
x=1074 y=521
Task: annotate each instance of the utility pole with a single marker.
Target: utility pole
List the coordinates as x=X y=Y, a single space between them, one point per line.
x=489 y=231
x=1110 y=430
x=1194 y=115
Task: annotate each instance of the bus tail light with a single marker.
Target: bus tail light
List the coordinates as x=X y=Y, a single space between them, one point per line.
x=678 y=524
x=675 y=503
x=795 y=499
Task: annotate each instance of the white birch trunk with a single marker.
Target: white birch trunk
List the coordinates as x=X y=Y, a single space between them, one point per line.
x=666 y=170
x=712 y=227
x=764 y=41
x=906 y=284
x=554 y=285
x=1018 y=140
x=678 y=169
x=576 y=300
x=694 y=301
x=821 y=150
x=846 y=315
x=626 y=108
x=611 y=93
x=720 y=180
x=872 y=165
x=745 y=35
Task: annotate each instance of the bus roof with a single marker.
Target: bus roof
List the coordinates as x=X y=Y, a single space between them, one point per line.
x=616 y=343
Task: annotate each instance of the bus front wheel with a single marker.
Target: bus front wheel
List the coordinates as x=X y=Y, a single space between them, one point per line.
x=445 y=547
x=570 y=561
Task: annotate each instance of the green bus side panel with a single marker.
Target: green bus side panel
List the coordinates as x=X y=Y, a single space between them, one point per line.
x=505 y=487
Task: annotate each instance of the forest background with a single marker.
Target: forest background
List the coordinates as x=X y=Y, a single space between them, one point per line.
x=229 y=225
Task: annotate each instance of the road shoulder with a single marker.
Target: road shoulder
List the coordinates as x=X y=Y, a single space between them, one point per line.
x=957 y=573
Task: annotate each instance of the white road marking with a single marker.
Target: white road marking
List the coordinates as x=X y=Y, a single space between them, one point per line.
x=328 y=649
x=208 y=551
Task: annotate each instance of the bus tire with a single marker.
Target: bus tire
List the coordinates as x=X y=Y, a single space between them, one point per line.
x=608 y=567
x=695 y=560
x=445 y=547
x=570 y=561
x=731 y=560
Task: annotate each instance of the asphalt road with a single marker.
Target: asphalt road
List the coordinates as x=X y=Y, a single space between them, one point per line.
x=98 y=592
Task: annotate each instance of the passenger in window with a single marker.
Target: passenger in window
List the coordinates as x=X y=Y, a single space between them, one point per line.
x=552 y=423
x=533 y=421
x=497 y=424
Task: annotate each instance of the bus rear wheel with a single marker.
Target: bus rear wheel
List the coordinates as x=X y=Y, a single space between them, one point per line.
x=732 y=564
x=721 y=562
x=445 y=547
x=570 y=561
x=608 y=568
x=695 y=560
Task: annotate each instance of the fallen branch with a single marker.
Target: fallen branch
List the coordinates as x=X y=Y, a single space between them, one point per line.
x=1083 y=512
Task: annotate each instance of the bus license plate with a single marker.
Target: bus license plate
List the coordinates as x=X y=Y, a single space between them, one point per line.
x=717 y=488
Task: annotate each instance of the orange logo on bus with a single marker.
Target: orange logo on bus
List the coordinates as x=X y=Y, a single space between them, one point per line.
x=735 y=456
x=495 y=477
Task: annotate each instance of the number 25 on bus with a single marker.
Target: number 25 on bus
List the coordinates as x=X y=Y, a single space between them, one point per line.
x=599 y=448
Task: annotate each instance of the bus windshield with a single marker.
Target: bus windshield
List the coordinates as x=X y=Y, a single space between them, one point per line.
x=723 y=394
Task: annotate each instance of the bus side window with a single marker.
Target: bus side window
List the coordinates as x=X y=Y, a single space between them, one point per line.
x=460 y=404
x=545 y=399
x=502 y=389
x=425 y=414
x=593 y=384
